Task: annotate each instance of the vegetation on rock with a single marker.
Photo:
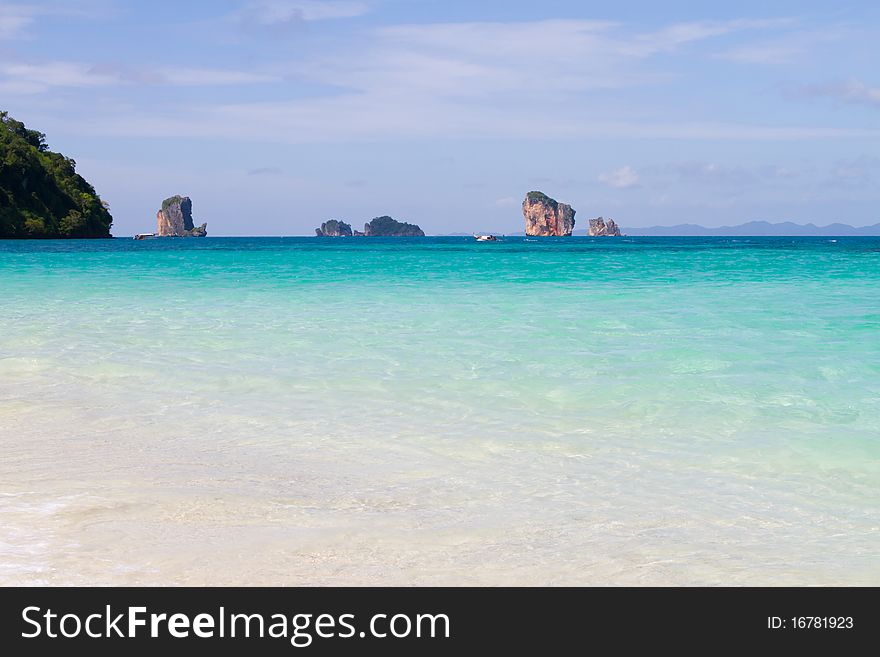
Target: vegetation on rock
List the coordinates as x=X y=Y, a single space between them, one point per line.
x=385 y=226
x=541 y=197
x=546 y=217
x=177 y=199
x=334 y=228
x=41 y=195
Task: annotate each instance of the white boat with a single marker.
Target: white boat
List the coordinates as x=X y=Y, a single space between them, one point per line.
x=145 y=236
x=485 y=238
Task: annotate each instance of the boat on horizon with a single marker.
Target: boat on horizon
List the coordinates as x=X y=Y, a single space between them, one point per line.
x=145 y=236
x=485 y=238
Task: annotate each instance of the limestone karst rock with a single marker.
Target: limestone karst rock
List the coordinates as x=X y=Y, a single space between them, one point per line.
x=603 y=228
x=388 y=227
x=175 y=219
x=545 y=217
x=334 y=228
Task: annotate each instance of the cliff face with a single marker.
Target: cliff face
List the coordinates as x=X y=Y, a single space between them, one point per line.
x=545 y=217
x=388 y=227
x=334 y=228
x=175 y=219
x=602 y=228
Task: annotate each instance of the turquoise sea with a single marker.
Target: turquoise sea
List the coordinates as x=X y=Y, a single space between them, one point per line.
x=440 y=411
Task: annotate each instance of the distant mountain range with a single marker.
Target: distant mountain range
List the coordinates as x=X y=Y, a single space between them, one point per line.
x=754 y=229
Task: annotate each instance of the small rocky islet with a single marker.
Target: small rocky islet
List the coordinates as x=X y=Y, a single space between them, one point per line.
x=175 y=219
x=383 y=226
x=546 y=217
x=334 y=228
x=602 y=227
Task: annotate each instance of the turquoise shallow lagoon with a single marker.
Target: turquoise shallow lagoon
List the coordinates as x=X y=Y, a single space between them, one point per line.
x=440 y=411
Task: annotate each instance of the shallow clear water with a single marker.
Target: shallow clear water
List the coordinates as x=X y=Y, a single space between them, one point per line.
x=440 y=411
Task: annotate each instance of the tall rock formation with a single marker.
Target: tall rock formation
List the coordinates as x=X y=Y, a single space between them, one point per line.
x=545 y=217
x=602 y=228
x=175 y=219
x=388 y=227
x=333 y=228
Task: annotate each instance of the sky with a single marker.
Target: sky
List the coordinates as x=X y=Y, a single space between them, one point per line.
x=277 y=115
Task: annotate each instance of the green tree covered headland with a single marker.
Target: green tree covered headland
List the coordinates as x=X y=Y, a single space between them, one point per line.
x=41 y=195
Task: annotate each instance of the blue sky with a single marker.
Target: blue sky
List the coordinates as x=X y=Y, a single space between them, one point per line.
x=276 y=115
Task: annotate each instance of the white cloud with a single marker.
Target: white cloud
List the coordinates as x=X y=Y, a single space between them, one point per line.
x=56 y=74
x=621 y=178
x=464 y=80
x=27 y=78
x=765 y=53
x=681 y=34
x=328 y=121
x=286 y=14
x=17 y=88
x=851 y=91
x=786 y=49
x=856 y=91
x=857 y=171
x=14 y=19
x=205 y=77
x=529 y=57
x=265 y=171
